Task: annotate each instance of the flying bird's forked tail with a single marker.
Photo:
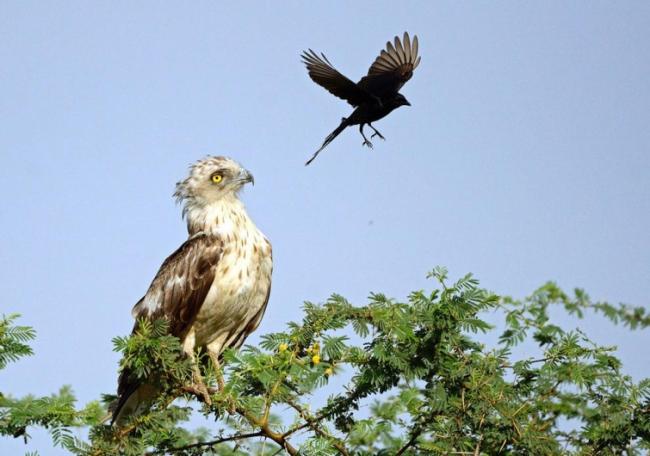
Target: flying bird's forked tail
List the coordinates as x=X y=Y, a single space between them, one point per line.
x=329 y=139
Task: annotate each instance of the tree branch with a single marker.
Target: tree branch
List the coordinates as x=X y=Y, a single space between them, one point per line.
x=414 y=437
x=312 y=423
x=265 y=430
x=210 y=443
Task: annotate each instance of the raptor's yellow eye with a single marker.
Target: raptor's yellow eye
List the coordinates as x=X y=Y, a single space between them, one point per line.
x=216 y=178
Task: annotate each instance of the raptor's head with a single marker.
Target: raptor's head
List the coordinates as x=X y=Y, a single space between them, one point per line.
x=212 y=179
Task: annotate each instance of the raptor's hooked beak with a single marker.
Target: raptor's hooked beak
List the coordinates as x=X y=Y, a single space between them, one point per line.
x=245 y=176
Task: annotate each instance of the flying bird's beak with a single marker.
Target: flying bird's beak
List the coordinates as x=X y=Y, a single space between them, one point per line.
x=407 y=103
x=245 y=176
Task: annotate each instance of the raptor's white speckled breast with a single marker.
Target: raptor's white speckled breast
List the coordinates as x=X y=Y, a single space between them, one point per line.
x=236 y=301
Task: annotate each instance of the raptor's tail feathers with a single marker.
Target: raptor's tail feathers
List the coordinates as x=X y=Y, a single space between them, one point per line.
x=133 y=403
x=329 y=139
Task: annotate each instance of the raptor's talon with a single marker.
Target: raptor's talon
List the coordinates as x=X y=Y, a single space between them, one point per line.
x=201 y=390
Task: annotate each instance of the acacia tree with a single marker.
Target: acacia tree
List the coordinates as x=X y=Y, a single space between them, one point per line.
x=416 y=379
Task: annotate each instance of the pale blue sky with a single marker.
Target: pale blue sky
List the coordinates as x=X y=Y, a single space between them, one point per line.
x=525 y=157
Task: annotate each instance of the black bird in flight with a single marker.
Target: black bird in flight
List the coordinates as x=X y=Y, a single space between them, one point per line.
x=376 y=94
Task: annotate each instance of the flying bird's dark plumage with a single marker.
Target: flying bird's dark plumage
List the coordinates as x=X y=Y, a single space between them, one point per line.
x=376 y=94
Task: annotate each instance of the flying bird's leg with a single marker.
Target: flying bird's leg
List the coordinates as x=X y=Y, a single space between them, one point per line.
x=365 y=140
x=376 y=133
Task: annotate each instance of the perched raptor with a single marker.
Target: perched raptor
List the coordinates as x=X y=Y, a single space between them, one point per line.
x=376 y=94
x=214 y=289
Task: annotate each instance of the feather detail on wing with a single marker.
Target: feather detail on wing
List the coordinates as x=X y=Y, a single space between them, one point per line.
x=176 y=294
x=181 y=284
x=392 y=68
x=323 y=73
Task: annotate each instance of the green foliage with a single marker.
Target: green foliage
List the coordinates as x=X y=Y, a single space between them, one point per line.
x=13 y=340
x=151 y=355
x=56 y=413
x=417 y=379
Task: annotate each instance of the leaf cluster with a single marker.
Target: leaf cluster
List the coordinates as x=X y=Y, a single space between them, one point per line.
x=394 y=377
x=13 y=340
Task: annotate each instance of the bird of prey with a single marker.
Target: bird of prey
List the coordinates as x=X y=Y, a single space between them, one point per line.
x=376 y=94
x=214 y=289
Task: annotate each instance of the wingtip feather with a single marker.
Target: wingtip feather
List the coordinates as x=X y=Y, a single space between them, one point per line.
x=407 y=47
x=400 y=51
x=414 y=47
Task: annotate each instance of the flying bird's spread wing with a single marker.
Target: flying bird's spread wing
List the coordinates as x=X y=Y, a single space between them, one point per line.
x=176 y=294
x=392 y=68
x=323 y=73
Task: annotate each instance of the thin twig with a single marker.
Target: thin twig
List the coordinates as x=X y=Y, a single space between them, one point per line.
x=265 y=430
x=312 y=423
x=477 y=450
x=414 y=436
x=210 y=443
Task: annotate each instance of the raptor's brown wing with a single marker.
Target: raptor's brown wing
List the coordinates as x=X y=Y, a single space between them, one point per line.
x=176 y=294
x=181 y=284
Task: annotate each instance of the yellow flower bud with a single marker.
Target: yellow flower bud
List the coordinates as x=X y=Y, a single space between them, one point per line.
x=283 y=347
x=315 y=359
x=329 y=371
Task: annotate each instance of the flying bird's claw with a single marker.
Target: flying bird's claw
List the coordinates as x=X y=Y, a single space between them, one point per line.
x=376 y=132
x=367 y=143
